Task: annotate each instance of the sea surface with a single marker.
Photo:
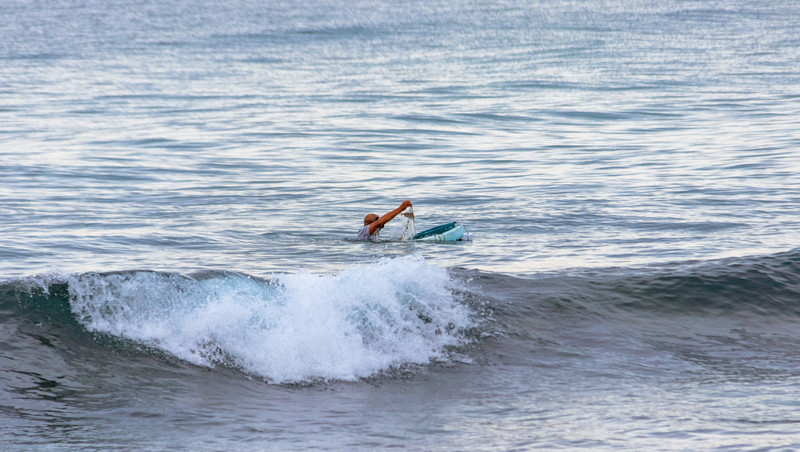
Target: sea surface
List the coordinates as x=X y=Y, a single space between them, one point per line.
x=181 y=183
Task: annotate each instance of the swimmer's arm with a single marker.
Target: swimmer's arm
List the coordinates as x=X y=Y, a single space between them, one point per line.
x=388 y=217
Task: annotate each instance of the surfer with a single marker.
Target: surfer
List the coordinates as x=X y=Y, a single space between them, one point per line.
x=373 y=224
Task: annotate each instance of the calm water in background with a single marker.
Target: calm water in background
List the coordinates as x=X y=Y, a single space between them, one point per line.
x=180 y=184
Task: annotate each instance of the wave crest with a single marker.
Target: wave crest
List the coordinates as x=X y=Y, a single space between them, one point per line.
x=294 y=327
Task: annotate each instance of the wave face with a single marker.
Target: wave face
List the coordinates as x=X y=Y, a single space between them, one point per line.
x=400 y=312
x=291 y=328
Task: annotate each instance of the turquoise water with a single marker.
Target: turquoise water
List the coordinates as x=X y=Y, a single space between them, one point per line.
x=181 y=183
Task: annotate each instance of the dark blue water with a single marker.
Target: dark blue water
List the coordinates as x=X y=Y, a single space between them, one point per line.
x=180 y=184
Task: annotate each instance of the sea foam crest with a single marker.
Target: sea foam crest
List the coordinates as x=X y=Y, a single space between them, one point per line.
x=295 y=327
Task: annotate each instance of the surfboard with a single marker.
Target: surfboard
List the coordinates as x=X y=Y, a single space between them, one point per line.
x=448 y=232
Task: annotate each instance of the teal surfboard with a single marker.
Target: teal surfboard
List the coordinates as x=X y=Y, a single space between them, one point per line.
x=448 y=232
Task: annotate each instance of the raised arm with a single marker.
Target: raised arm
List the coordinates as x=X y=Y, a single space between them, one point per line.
x=381 y=222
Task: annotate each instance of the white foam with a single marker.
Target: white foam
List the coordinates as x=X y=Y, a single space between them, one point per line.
x=408 y=226
x=297 y=327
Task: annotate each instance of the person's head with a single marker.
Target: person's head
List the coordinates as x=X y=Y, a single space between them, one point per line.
x=371 y=218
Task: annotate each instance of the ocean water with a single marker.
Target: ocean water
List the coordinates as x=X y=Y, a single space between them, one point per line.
x=181 y=183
